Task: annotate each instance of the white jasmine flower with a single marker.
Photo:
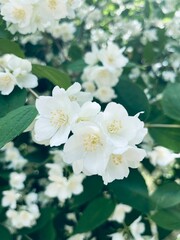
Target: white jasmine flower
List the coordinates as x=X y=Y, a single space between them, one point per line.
x=75 y=94
x=57 y=114
x=117 y=236
x=120 y=161
x=121 y=128
x=88 y=112
x=120 y=212
x=17 y=180
x=87 y=149
x=89 y=87
x=10 y=198
x=105 y=94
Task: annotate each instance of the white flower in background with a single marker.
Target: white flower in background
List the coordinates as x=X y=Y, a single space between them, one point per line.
x=162 y=156
x=81 y=236
x=54 y=169
x=15 y=71
x=17 y=180
x=65 y=31
x=121 y=128
x=91 y=58
x=75 y=184
x=17 y=12
x=54 y=9
x=93 y=17
x=72 y=5
x=7 y=83
x=149 y=35
x=56 y=116
x=13 y=157
x=89 y=87
x=117 y=236
x=25 y=217
x=112 y=57
x=10 y=198
x=105 y=94
x=103 y=77
x=57 y=159
x=120 y=161
x=135 y=73
x=99 y=35
x=87 y=149
x=169 y=76
x=31 y=198
x=137 y=228
x=120 y=212
x=58 y=188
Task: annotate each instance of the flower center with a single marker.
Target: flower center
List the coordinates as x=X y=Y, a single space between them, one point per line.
x=5 y=80
x=58 y=118
x=91 y=142
x=116 y=159
x=52 y=4
x=114 y=127
x=19 y=14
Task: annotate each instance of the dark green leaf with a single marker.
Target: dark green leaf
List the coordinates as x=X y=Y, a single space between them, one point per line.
x=166 y=137
x=147 y=9
x=92 y=187
x=16 y=99
x=131 y=191
x=7 y=46
x=96 y=213
x=55 y=76
x=132 y=97
x=5 y=234
x=166 y=196
x=171 y=101
x=168 y=218
x=149 y=54
x=77 y=66
x=15 y=122
x=75 y=52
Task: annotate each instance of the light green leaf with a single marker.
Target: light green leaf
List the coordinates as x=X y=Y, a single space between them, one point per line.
x=166 y=196
x=4 y=233
x=171 y=101
x=132 y=97
x=7 y=46
x=16 y=99
x=131 y=191
x=96 y=213
x=168 y=218
x=57 y=77
x=15 y=122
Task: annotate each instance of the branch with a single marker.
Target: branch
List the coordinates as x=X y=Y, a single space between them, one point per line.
x=157 y=125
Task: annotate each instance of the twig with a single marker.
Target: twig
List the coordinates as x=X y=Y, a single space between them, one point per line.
x=33 y=93
x=162 y=125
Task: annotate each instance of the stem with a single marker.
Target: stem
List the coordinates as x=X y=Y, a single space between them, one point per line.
x=33 y=93
x=162 y=125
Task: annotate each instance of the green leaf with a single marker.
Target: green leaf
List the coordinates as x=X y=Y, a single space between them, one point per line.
x=166 y=137
x=46 y=233
x=3 y=32
x=75 y=52
x=96 y=213
x=131 y=191
x=147 y=9
x=15 y=122
x=7 y=46
x=57 y=77
x=149 y=55
x=5 y=234
x=168 y=218
x=77 y=66
x=166 y=196
x=15 y=100
x=92 y=187
x=132 y=97
x=171 y=101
